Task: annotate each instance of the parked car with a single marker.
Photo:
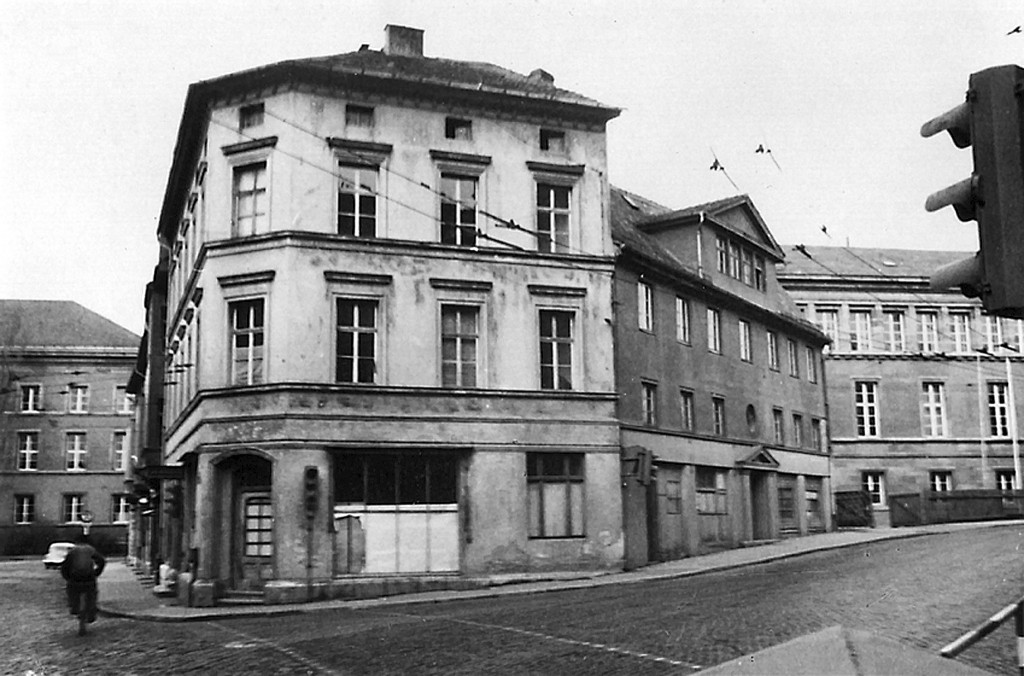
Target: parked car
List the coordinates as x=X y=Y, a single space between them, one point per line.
x=56 y=554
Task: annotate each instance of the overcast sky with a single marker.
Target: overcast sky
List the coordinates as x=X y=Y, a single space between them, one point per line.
x=91 y=94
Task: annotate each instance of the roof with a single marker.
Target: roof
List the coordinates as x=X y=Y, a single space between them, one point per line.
x=629 y=210
x=59 y=323
x=861 y=262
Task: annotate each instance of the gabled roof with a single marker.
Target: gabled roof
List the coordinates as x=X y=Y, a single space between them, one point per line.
x=59 y=323
x=719 y=213
x=629 y=209
x=860 y=262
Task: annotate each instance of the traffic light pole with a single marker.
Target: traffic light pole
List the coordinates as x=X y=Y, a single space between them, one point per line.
x=1013 y=427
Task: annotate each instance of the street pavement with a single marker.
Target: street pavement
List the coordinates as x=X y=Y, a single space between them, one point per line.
x=843 y=651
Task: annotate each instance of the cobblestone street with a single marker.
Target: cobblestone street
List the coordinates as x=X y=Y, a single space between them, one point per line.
x=922 y=591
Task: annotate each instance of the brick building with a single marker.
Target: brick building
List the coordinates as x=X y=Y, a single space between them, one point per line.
x=65 y=421
x=918 y=391
x=721 y=386
x=388 y=324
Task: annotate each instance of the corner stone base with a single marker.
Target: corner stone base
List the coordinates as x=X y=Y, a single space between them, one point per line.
x=287 y=591
x=203 y=594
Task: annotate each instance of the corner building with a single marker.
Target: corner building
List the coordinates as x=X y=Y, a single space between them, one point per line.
x=723 y=411
x=389 y=304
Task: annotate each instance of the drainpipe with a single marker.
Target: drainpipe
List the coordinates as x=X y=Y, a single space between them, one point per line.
x=700 y=246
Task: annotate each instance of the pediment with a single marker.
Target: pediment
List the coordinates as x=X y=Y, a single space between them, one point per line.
x=742 y=218
x=759 y=459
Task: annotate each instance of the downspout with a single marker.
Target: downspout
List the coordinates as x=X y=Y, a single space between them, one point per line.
x=700 y=246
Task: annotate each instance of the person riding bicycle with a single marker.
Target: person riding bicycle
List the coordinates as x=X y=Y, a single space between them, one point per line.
x=81 y=567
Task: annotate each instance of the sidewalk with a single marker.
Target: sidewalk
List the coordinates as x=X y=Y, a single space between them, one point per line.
x=122 y=595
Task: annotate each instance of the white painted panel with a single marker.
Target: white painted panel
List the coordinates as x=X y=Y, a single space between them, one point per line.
x=444 y=542
x=412 y=541
x=381 y=542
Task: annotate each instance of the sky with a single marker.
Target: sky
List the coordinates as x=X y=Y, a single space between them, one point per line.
x=91 y=94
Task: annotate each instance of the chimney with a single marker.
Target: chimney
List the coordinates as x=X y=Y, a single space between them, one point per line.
x=541 y=75
x=403 y=41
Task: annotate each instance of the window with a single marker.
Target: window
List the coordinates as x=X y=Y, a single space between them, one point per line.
x=760 y=276
x=358 y=116
x=250 y=200
x=682 y=320
x=556 y=346
x=78 y=398
x=747 y=268
x=117 y=450
x=247 y=348
x=817 y=434
x=928 y=324
x=866 y=408
x=998 y=410
x=24 y=509
x=406 y=478
x=718 y=416
x=553 y=218
x=993 y=333
x=812 y=364
x=645 y=306
x=894 y=333
x=722 y=249
x=457 y=128
x=673 y=496
x=940 y=481
x=119 y=511
x=714 y=331
x=459 y=340
x=686 y=409
x=28 y=451
x=458 y=210
x=250 y=116
x=357 y=201
x=734 y=260
x=123 y=401
x=873 y=483
x=860 y=336
x=554 y=483
x=828 y=322
x=794 y=362
x=552 y=140
x=76 y=450
x=933 y=403
x=31 y=398
x=1006 y=480
x=73 y=507
x=745 y=351
x=798 y=430
x=778 y=427
x=961 y=324
x=712 y=495
x=773 y=351
x=356 y=347
x=650 y=403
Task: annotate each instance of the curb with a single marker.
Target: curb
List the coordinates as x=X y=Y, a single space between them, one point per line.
x=516 y=589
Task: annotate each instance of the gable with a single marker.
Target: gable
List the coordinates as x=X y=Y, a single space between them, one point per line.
x=759 y=459
x=743 y=219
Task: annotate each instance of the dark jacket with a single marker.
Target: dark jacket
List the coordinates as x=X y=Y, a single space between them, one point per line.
x=82 y=564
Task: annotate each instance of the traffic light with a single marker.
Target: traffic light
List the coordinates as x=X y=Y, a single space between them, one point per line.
x=311 y=490
x=991 y=121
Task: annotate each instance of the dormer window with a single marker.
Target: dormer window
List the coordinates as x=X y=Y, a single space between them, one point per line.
x=358 y=116
x=457 y=128
x=250 y=116
x=552 y=140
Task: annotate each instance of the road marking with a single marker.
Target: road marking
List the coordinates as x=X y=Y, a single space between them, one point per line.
x=253 y=641
x=557 y=639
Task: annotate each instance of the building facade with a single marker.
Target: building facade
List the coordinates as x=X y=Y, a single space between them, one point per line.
x=388 y=338
x=920 y=382
x=722 y=390
x=65 y=425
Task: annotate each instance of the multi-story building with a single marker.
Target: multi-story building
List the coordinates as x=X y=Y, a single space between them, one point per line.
x=919 y=381
x=722 y=396
x=65 y=421
x=389 y=324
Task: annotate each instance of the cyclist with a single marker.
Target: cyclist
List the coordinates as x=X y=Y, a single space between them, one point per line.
x=81 y=567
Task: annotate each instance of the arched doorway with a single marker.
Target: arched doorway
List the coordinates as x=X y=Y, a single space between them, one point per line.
x=250 y=509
